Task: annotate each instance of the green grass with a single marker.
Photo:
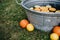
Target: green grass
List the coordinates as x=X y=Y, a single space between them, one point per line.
x=10 y=15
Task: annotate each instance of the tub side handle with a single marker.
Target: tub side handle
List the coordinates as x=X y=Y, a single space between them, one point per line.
x=18 y=2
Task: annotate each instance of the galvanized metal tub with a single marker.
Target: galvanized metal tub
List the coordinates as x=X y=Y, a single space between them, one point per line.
x=44 y=21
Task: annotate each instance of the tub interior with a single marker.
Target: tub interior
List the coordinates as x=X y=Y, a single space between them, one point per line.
x=42 y=3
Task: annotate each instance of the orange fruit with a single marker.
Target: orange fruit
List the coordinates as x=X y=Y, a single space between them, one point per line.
x=37 y=6
x=37 y=9
x=23 y=23
x=30 y=27
x=54 y=36
x=52 y=9
x=44 y=8
x=57 y=30
x=58 y=11
x=32 y=8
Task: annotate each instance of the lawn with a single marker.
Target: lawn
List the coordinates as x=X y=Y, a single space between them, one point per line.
x=10 y=16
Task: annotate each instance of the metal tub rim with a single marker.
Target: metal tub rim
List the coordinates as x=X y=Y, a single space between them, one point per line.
x=41 y=13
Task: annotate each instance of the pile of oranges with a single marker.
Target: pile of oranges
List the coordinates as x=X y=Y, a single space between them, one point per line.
x=56 y=33
x=47 y=8
x=25 y=24
x=53 y=36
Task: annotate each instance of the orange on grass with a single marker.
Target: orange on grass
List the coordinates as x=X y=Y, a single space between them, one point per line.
x=57 y=30
x=54 y=36
x=23 y=23
x=30 y=27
